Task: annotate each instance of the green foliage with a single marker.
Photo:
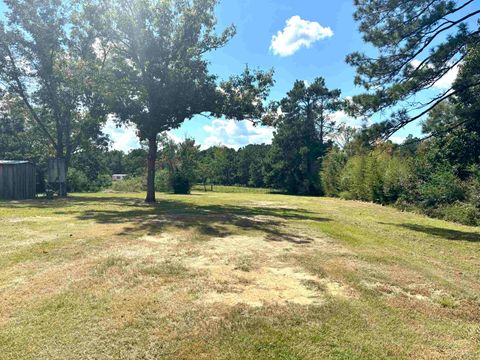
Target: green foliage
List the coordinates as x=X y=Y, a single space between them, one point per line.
x=330 y=175
x=397 y=179
x=48 y=67
x=77 y=181
x=103 y=181
x=249 y=163
x=473 y=191
x=423 y=181
x=442 y=187
x=222 y=163
x=180 y=164
x=302 y=126
x=353 y=179
x=460 y=212
x=133 y=184
x=180 y=183
x=159 y=73
x=162 y=181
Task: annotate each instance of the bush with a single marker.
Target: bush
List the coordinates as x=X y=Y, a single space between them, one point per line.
x=473 y=192
x=77 y=181
x=163 y=181
x=134 y=184
x=463 y=213
x=346 y=195
x=397 y=179
x=443 y=187
x=180 y=183
x=332 y=166
x=353 y=178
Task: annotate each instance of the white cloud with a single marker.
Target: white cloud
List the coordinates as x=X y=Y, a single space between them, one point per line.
x=397 y=139
x=235 y=134
x=123 y=138
x=342 y=117
x=298 y=33
x=446 y=81
x=415 y=63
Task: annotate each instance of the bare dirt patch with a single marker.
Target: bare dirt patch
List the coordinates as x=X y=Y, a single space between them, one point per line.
x=261 y=278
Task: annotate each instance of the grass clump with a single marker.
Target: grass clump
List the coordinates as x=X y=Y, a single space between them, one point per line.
x=166 y=269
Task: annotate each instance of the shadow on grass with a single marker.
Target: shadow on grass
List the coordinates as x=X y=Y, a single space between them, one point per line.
x=70 y=201
x=448 y=234
x=211 y=219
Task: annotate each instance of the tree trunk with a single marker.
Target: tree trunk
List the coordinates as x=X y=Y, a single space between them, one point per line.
x=151 y=160
x=62 y=169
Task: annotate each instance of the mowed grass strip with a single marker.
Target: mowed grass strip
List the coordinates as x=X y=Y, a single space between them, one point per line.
x=234 y=276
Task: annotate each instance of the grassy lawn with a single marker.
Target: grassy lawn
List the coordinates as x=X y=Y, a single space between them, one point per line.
x=234 y=276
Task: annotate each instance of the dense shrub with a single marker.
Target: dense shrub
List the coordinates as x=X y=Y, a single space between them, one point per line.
x=77 y=181
x=463 y=213
x=473 y=191
x=103 y=181
x=352 y=179
x=330 y=175
x=442 y=187
x=180 y=183
x=398 y=179
x=163 y=181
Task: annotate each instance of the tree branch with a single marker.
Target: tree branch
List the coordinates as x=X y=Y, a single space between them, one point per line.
x=21 y=92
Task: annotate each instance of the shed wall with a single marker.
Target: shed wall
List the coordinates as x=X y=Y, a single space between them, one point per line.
x=17 y=181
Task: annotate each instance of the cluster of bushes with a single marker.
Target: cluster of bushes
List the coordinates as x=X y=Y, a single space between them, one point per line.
x=78 y=181
x=130 y=184
x=164 y=182
x=409 y=182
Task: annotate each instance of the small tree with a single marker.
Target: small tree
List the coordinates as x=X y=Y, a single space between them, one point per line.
x=332 y=166
x=182 y=162
x=160 y=75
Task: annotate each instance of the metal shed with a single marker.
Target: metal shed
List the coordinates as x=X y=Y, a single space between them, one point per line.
x=17 y=180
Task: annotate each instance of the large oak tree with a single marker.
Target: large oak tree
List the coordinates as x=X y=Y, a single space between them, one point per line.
x=160 y=76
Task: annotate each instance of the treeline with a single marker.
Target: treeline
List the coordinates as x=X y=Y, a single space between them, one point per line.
x=185 y=162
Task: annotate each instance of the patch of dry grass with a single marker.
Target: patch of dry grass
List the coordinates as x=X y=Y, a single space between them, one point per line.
x=234 y=276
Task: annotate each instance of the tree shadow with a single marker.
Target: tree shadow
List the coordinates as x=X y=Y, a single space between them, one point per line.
x=211 y=219
x=447 y=234
x=70 y=201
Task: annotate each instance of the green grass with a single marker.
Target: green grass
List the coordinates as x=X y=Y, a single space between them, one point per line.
x=233 y=189
x=234 y=275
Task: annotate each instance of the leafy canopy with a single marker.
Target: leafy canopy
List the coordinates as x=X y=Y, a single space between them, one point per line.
x=47 y=62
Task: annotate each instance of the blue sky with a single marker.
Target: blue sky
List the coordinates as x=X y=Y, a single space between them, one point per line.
x=257 y=22
x=298 y=39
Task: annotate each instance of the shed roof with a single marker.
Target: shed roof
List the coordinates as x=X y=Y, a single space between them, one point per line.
x=13 y=162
